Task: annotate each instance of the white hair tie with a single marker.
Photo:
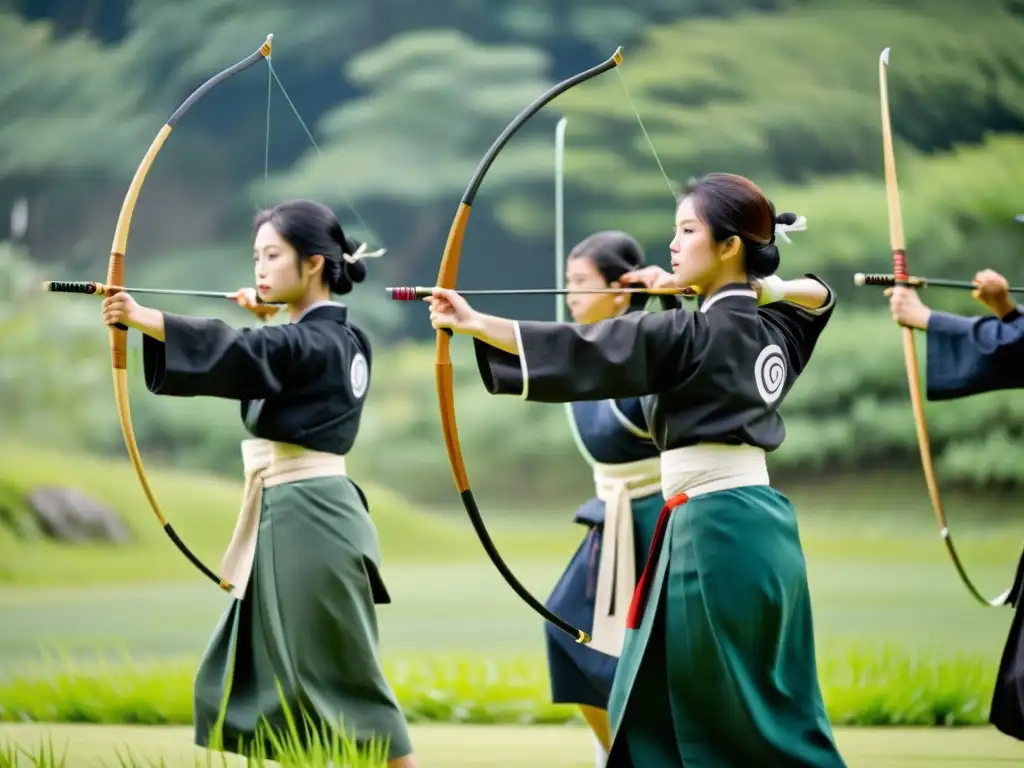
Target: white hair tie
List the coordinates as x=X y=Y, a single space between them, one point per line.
x=361 y=254
x=800 y=225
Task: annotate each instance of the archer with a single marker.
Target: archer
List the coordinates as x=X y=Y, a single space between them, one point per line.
x=697 y=682
x=305 y=557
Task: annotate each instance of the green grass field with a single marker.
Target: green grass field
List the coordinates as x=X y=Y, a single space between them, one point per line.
x=879 y=576
x=879 y=573
x=440 y=746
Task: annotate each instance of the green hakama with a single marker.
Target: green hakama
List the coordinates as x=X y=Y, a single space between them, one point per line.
x=720 y=668
x=307 y=623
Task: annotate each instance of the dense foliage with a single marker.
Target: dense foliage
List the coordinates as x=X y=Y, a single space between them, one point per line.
x=402 y=106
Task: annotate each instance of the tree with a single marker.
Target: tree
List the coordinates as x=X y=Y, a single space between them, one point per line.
x=436 y=100
x=52 y=363
x=786 y=98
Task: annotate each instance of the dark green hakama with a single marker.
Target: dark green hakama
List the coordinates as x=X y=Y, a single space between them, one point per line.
x=307 y=623
x=720 y=670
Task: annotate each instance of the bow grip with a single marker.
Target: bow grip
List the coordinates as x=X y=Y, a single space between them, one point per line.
x=118 y=344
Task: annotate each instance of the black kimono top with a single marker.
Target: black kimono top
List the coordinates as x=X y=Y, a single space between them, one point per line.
x=717 y=375
x=613 y=431
x=972 y=355
x=303 y=383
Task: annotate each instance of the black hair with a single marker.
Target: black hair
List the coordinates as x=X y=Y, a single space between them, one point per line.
x=614 y=253
x=733 y=206
x=312 y=228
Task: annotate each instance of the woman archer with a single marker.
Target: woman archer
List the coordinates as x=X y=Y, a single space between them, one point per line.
x=969 y=356
x=718 y=666
x=305 y=556
x=595 y=590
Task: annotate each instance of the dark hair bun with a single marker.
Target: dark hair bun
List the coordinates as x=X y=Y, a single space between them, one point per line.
x=356 y=270
x=763 y=260
x=338 y=280
x=342 y=274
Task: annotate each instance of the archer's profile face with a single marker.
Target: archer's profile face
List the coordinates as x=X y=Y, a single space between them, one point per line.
x=585 y=308
x=695 y=257
x=279 y=279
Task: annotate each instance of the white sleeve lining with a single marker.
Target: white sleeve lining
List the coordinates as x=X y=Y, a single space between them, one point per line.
x=522 y=359
x=824 y=307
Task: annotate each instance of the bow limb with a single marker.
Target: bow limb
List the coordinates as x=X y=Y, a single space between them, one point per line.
x=447 y=277
x=560 y=217
x=116 y=276
x=560 y=265
x=901 y=274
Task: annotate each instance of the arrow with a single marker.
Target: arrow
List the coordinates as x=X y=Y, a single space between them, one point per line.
x=99 y=289
x=411 y=293
x=918 y=282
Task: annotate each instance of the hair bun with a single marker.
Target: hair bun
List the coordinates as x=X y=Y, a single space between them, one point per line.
x=786 y=218
x=763 y=260
x=342 y=275
x=348 y=272
x=338 y=280
x=356 y=271
x=348 y=245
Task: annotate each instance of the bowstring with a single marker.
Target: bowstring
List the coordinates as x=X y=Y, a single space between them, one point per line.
x=272 y=78
x=266 y=148
x=647 y=136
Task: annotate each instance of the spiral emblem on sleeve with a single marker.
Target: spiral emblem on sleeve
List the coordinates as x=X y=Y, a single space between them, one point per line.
x=770 y=373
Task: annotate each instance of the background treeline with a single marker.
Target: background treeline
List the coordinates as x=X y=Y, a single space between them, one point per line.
x=403 y=98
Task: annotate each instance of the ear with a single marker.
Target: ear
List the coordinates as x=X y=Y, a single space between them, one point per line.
x=315 y=264
x=731 y=248
x=618 y=298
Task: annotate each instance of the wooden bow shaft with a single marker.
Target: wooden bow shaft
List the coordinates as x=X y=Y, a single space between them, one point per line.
x=447 y=277
x=116 y=277
x=901 y=274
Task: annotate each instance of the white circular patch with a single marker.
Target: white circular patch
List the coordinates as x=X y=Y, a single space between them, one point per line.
x=770 y=373
x=359 y=375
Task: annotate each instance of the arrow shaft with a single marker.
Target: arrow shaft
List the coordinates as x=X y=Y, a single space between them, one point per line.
x=100 y=289
x=886 y=281
x=179 y=292
x=411 y=293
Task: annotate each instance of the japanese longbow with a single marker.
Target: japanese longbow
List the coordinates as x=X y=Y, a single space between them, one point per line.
x=901 y=274
x=447 y=277
x=116 y=277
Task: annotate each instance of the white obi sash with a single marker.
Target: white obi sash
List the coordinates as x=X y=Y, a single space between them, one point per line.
x=267 y=464
x=710 y=467
x=617 y=485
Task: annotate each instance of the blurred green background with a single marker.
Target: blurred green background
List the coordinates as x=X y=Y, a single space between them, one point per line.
x=403 y=98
